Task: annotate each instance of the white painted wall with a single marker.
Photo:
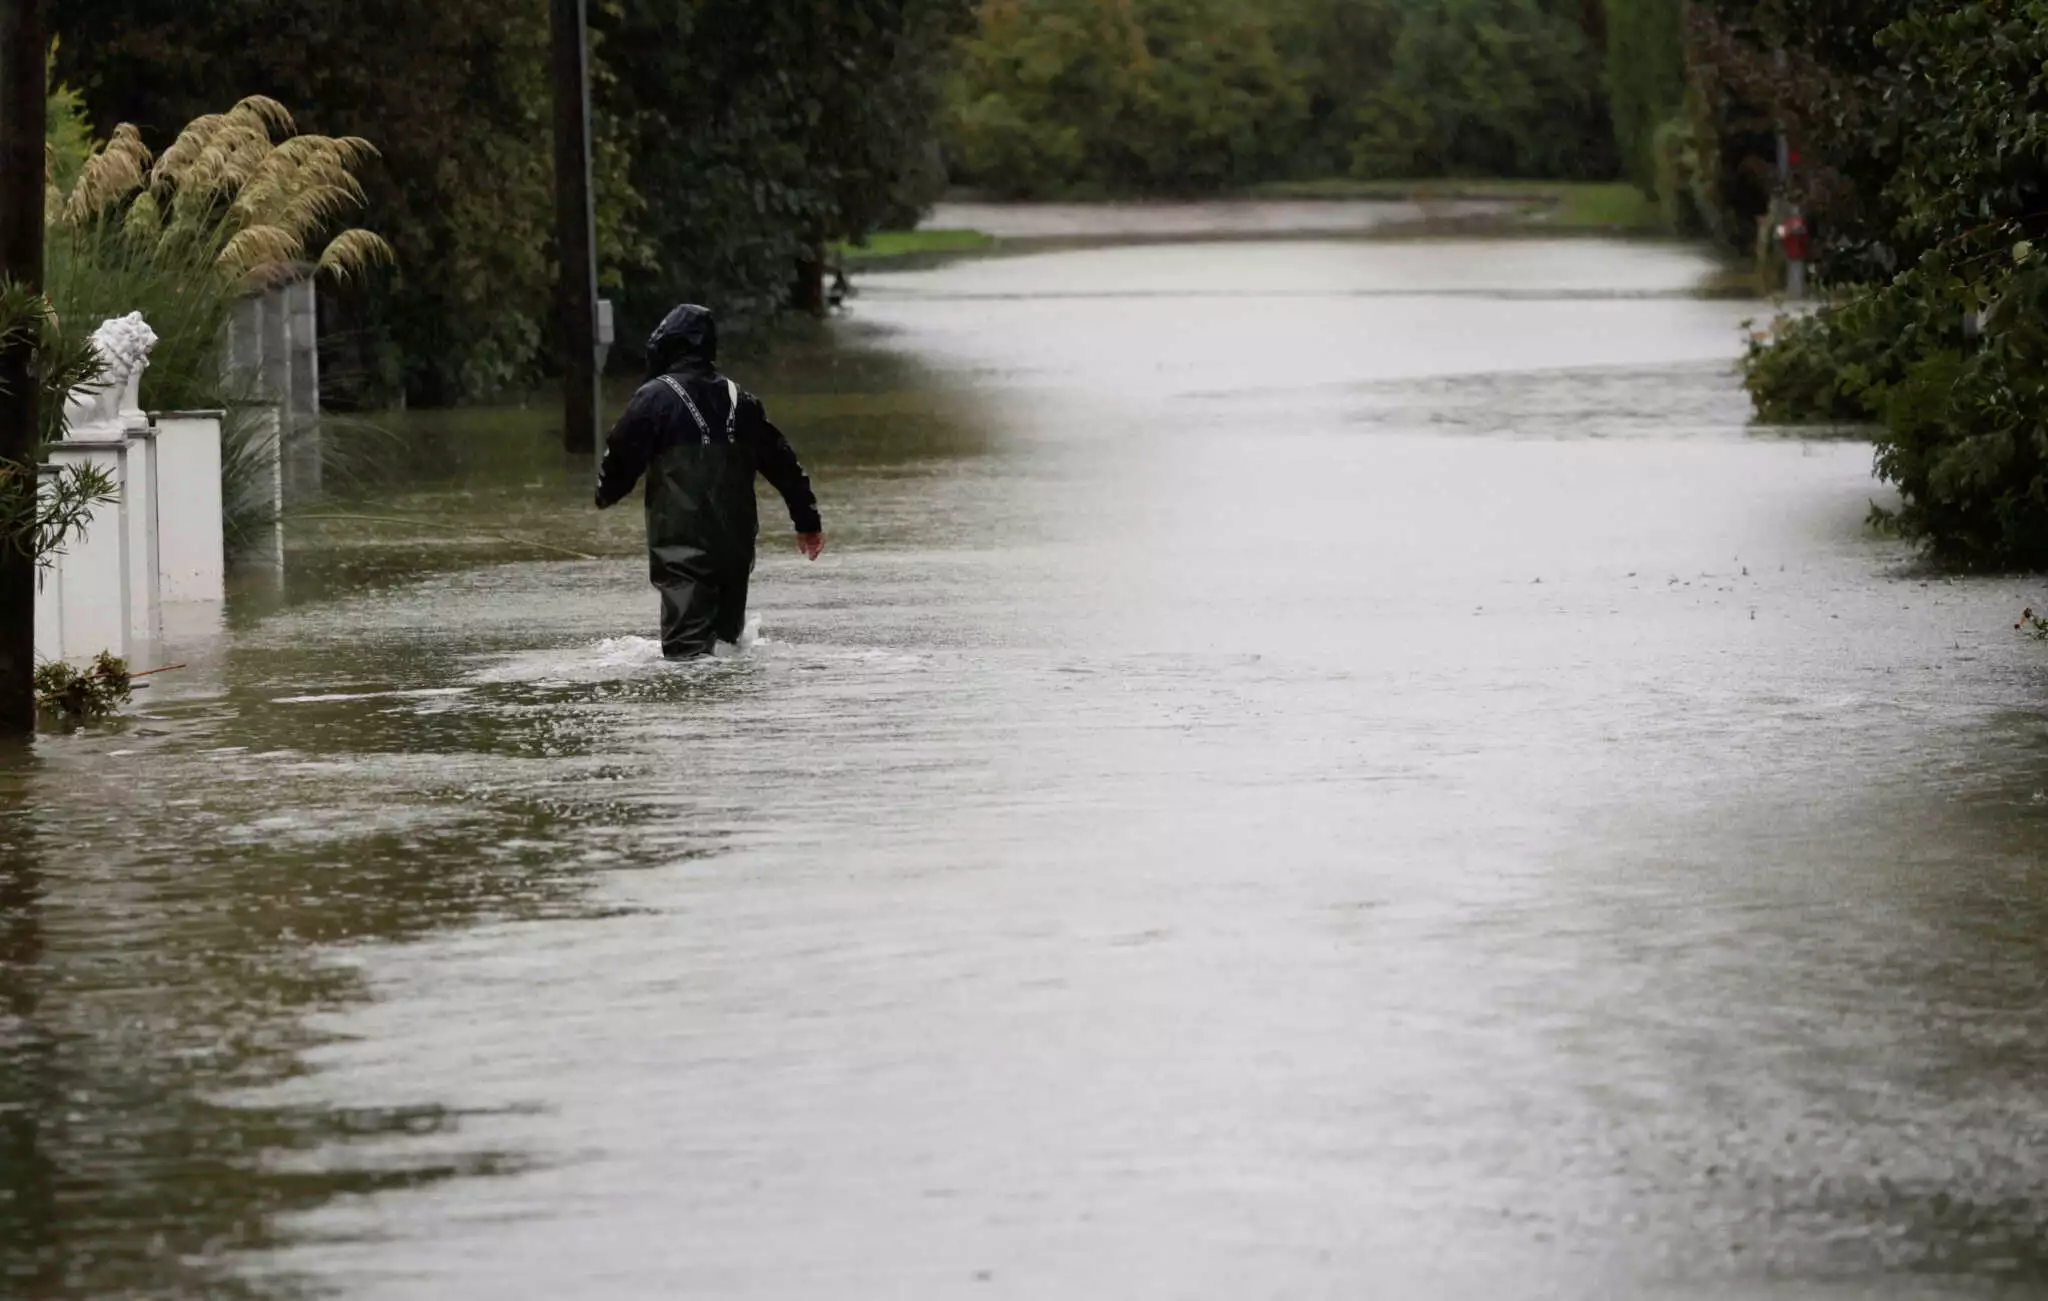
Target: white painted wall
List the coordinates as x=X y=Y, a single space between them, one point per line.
x=156 y=556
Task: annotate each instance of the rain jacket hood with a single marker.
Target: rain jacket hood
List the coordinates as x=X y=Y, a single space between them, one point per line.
x=686 y=339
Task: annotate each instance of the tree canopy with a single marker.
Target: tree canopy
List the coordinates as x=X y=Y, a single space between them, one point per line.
x=738 y=139
x=732 y=136
x=1138 y=96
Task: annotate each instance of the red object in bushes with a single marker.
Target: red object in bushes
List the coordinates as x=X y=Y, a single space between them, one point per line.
x=1798 y=241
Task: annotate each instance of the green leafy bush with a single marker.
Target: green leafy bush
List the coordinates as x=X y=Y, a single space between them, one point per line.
x=1950 y=364
x=1948 y=358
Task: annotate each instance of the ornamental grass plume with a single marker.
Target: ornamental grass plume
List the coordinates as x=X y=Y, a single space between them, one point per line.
x=241 y=189
x=238 y=202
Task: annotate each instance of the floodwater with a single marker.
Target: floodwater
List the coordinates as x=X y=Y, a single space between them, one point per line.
x=1313 y=769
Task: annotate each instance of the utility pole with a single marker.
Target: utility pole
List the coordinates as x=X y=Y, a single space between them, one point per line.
x=575 y=224
x=1790 y=227
x=24 y=109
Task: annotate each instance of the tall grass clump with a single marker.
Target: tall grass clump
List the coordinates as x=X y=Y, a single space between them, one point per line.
x=238 y=202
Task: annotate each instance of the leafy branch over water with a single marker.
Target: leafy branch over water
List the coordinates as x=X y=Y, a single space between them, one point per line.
x=40 y=523
x=37 y=522
x=81 y=695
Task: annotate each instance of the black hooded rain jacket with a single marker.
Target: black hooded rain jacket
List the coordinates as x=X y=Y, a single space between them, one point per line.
x=700 y=439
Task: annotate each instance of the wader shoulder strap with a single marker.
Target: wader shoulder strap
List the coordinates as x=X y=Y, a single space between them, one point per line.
x=732 y=418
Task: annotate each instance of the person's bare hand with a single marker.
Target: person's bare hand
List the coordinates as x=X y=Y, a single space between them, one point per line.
x=811 y=544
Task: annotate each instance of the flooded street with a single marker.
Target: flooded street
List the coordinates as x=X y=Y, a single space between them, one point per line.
x=1320 y=769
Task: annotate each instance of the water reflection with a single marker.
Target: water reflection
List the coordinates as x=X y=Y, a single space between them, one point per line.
x=29 y=1103
x=154 y=966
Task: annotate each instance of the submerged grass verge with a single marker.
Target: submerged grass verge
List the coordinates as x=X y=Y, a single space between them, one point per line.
x=1610 y=206
x=890 y=245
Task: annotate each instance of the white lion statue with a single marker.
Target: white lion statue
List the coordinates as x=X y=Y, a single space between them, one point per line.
x=108 y=408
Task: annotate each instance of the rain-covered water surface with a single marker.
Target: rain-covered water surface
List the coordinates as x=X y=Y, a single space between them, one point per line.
x=1310 y=769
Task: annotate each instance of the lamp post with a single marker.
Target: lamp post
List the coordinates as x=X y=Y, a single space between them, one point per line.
x=575 y=223
x=24 y=109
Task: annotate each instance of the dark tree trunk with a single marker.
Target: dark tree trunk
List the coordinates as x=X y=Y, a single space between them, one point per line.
x=24 y=41
x=808 y=293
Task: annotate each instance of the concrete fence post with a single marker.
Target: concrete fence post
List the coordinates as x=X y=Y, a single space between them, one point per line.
x=140 y=506
x=191 y=542
x=301 y=397
x=244 y=363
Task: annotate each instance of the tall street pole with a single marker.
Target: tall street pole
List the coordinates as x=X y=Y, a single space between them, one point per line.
x=575 y=224
x=24 y=107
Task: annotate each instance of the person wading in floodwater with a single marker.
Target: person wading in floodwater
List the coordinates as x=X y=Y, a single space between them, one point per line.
x=700 y=439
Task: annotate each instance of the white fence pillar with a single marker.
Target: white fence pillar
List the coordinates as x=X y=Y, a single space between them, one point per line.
x=191 y=546
x=145 y=568
x=93 y=602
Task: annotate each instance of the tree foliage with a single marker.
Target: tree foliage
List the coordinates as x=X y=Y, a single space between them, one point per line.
x=758 y=133
x=1508 y=88
x=68 y=131
x=1645 y=80
x=1051 y=96
x=452 y=93
x=733 y=138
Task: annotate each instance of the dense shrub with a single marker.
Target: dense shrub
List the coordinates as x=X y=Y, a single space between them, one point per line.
x=1948 y=356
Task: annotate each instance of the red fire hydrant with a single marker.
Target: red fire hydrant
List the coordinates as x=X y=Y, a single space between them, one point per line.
x=1796 y=239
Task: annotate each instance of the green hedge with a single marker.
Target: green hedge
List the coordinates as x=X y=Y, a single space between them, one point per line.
x=1942 y=141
